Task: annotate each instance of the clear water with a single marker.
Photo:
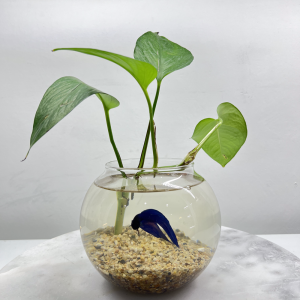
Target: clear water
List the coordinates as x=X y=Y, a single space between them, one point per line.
x=188 y=204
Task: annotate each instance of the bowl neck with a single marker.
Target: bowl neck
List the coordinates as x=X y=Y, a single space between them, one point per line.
x=165 y=165
x=168 y=176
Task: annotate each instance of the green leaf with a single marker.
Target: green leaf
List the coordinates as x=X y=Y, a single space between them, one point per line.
x=59 y=100
x=225 y=142
x=161 y=53
x=143 y=72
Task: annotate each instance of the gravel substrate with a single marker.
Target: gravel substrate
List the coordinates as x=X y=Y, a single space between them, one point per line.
x=144 y=263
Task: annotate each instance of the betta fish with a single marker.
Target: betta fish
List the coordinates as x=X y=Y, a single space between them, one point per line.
x=149 y=220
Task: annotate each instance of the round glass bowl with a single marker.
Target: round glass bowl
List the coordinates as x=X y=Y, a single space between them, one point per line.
x=139 y=261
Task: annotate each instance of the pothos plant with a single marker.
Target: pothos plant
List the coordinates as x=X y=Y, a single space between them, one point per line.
x=155 y=57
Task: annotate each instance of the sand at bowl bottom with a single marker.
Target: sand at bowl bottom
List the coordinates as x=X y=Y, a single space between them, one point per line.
x=143 y=263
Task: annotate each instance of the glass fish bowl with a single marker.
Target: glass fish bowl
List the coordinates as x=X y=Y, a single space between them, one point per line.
x=176 y=235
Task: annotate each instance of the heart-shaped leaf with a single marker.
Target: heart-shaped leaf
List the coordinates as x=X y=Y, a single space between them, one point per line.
x=223 y=144
x=143 y=72
x=161 y=53
x=59 y=100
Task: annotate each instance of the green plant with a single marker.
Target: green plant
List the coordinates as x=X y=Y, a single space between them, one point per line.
x=154 y=58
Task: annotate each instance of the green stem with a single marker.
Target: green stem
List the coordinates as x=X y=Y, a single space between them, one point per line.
x=152 y=130
x=143 y=154
x=156 y=96
x=112 y=138
x=123 y=199
x=192 y=154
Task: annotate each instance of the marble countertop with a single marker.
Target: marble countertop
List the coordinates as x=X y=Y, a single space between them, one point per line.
x=244 y=267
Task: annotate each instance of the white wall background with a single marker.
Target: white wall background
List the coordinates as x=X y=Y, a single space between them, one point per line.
x=247 y=52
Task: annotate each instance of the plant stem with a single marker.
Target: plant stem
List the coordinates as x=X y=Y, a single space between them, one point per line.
x=156 y=96
x=143 y=154
x=192 y=154
x=123 y=199
x=152 y=130
x=112 y=138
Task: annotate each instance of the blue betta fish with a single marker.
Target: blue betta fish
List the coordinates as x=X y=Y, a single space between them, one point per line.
x=149 y=220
